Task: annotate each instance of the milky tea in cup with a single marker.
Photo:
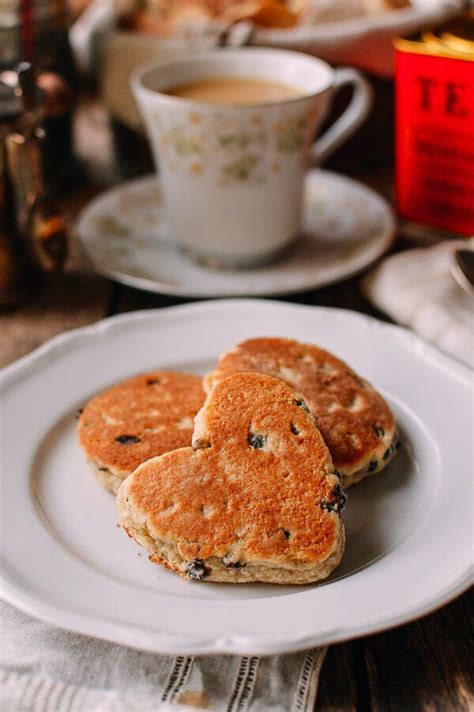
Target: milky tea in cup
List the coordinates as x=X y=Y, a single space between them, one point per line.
x=240 y=91
x=232 y=133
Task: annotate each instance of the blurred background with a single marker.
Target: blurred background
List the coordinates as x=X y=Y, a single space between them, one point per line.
x=69 y=126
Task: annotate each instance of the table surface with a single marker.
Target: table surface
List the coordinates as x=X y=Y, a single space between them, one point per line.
x=425 y=665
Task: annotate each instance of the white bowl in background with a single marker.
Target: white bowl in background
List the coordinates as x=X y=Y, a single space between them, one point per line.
x=364 y=42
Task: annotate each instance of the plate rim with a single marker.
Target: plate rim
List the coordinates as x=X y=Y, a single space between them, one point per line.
x=104 y=324
x=155 y=641
x=385 y=240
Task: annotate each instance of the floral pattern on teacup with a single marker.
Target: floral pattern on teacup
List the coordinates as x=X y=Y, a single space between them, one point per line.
x=242 y=168
x=250 y=148
x=290 y=133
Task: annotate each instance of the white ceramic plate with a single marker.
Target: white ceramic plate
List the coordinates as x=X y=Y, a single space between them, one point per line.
x=65 y=561
x=123 y=235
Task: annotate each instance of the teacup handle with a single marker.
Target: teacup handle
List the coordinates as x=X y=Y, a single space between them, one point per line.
x=351 y=119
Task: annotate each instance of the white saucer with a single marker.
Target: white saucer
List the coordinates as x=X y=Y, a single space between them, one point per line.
x=123 y=235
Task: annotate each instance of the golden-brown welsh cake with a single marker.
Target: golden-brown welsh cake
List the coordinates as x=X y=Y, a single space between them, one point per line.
x=355 y=421
x=254 y=499
x=136 y=419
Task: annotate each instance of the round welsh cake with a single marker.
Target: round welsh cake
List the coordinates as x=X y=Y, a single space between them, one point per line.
x=136 y=419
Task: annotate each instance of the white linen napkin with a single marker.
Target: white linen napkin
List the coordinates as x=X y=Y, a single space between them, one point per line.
x=47 y=669
x=416 y=289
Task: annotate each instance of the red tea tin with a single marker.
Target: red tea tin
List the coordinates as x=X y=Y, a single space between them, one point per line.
x=434 y=127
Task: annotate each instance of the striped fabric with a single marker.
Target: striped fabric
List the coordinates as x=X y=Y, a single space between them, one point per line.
x=46 y=669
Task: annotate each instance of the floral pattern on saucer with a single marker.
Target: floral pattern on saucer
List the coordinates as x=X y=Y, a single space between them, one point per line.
x=124 y=234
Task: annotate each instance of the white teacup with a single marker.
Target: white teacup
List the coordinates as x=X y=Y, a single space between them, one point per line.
x=232 y=175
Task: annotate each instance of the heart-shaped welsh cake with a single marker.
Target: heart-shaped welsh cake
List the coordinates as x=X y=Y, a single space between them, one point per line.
x=254 y=499
x=139 y=418
x=355 y=421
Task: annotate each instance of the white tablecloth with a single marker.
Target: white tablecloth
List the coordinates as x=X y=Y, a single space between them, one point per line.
x=46 y=669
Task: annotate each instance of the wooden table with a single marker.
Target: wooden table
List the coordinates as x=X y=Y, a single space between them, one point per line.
x=425 y=665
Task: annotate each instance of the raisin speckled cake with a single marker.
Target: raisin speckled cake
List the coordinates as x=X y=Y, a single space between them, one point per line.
x=355 y=421
x=136 y=419
x=255 y=498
